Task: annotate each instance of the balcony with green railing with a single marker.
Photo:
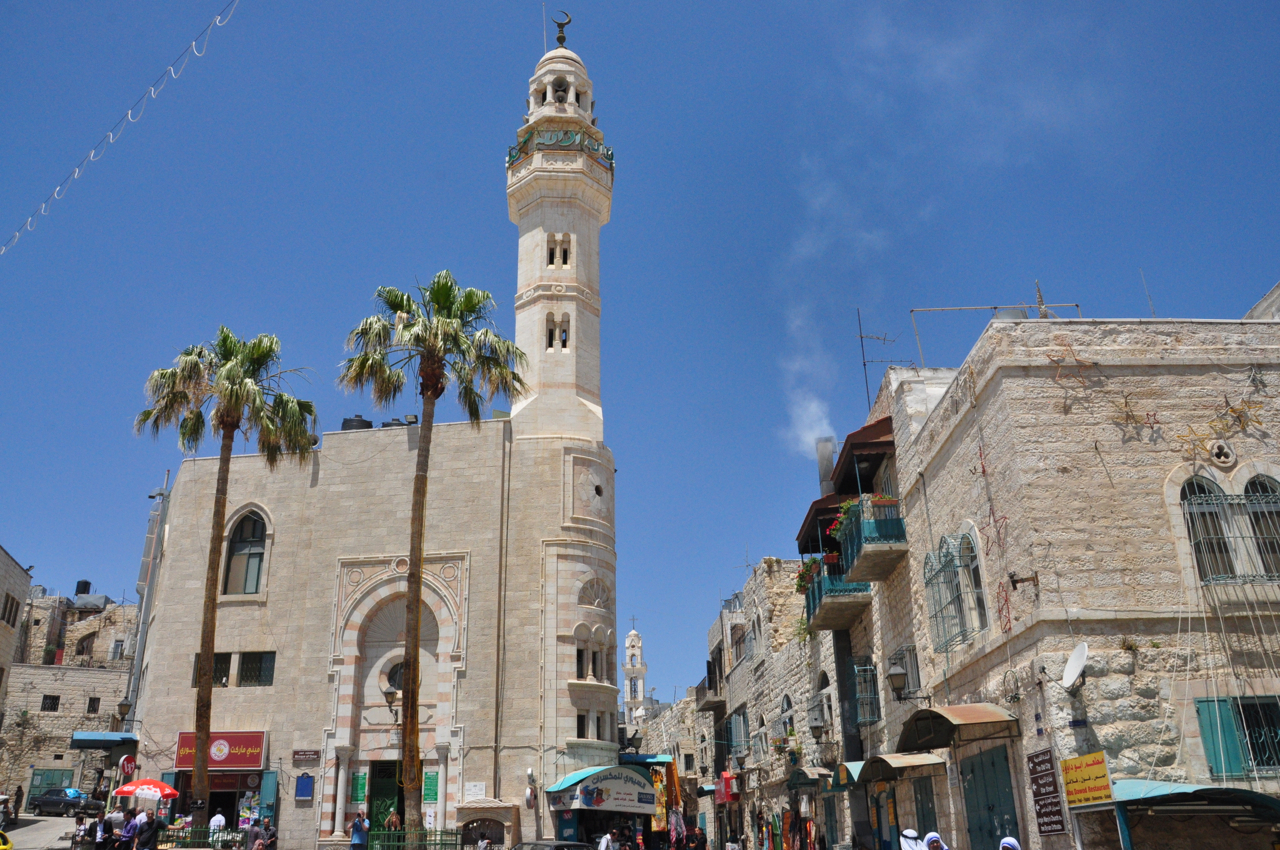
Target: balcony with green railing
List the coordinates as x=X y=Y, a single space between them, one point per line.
x=873 y=540
x=833 y=604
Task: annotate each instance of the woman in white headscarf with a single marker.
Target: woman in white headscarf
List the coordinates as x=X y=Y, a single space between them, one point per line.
x=933 y=841
x=1010 y=844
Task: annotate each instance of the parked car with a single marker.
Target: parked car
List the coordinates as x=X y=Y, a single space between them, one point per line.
x=65 y=801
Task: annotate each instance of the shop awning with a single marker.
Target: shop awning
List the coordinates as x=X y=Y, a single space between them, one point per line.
x=642 y=758
x=807 y=777
x=612 y=788
x=901 y=766
x=841 y=779
x=706 y=790
x=956 y=725
x=1175 y=798
x=101 y=740
x=822 y=512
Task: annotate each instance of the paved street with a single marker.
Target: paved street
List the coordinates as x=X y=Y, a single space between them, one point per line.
x=34 y=833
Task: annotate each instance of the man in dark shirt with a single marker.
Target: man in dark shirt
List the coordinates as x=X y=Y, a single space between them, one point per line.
x=253 y=835
x=149 y=832
x=101 y=832
x=270 y=834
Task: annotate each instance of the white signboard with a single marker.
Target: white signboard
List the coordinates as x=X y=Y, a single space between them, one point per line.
x=472 y=790
x=614 y=789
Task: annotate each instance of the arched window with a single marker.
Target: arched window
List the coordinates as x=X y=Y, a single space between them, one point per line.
x=1205 y=510
x=823 y=681
x=1262 y=497
x=635 y=688
x=244 y=555
x=84 y=646
x=633 y=661
x=395 y=676
x=971 y=574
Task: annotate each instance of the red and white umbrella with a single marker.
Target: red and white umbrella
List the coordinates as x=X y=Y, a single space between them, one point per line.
x=148 y=789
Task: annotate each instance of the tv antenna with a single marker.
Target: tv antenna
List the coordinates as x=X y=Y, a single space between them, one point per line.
x=883 y=339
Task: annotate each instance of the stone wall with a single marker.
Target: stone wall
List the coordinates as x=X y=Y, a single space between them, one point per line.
x=106 y=639
x=15 y=583
x=1060 y=448
x=39 y=739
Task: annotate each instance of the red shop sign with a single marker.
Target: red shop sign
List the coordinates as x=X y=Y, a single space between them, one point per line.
x=227 y=751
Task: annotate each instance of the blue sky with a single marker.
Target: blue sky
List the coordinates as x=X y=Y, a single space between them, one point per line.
x=778 y=166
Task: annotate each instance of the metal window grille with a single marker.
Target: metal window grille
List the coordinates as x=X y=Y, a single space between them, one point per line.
x=739 y=737
x=257 y=669
x=221 y=669
x=95 y=703
x=49 y=702
x=1235 y=539
x=866 y=691
x=953 y=584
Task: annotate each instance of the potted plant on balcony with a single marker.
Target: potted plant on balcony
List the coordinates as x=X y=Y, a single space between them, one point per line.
x=779 y=745
x=808 y=571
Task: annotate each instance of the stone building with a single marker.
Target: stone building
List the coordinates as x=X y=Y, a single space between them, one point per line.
x=779 y=726
x=634 y=669
x=88 y=629
x=15 y=584
x=1109 y=488
x=44 y=706
x=519 y=645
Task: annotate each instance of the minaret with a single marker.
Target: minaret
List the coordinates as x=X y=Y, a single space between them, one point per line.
x=559 y=191
x=633 y=670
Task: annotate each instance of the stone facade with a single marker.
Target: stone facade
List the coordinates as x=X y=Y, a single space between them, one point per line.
x=15 y=585
x=778 y=717
x=519 y=565
x=104 y=639
x=1059 y=450
x=44 y=705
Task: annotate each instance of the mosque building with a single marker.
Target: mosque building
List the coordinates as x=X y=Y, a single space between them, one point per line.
x=519 y=651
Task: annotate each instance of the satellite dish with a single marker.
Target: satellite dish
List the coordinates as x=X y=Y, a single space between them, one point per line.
x=1074 y=670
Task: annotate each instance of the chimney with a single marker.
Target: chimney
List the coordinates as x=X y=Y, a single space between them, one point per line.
x=826 y=464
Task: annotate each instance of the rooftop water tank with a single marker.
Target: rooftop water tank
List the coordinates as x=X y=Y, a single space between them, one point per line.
x=356 y=423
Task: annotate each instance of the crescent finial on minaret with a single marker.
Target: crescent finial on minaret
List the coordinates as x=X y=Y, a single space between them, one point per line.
x=568 y=19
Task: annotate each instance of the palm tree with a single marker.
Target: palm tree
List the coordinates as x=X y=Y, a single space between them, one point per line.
x=441 y=336
x=224 y=387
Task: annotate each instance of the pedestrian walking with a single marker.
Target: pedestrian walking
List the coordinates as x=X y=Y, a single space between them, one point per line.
x=933 y=841
x=17 y=801
x=101 y=832
x=148 y=835
x=218 y=821
x=126 y=836
x=359 y=830
x=254 y=834
x=910 y=840
x=1010 y=844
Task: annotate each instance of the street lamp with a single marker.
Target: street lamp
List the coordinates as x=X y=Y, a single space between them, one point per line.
x=123 y=708
x=898 y=683
x=390 y=695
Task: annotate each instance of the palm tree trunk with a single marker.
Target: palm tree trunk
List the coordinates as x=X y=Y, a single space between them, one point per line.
x=209 y=628
x=409 y=744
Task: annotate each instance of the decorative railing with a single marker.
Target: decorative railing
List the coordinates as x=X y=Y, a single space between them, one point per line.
x=824 y=586
x=406 y=839
x=1235 y=539
x=866 y=691
x=199 y=836
x=874 y=522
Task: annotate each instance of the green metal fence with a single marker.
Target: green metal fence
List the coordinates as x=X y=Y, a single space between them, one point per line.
x=426 y=839
x=202 y=836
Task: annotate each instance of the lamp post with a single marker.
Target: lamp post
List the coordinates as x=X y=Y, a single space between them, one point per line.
x=390 y=695
x=122 y=709
x=898 y=683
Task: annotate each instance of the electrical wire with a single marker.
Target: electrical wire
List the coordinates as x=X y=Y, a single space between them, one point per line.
x=117 y=129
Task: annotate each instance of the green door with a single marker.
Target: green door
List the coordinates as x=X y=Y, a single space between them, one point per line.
x=926 y=811
x=830 y=822
x=44 y=780
x=385 y=794
x=988 y=798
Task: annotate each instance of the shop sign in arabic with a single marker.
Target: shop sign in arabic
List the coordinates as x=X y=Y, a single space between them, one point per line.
x=1086 y=780
x=618 y=789
x=1050 y=819
x=227 y=751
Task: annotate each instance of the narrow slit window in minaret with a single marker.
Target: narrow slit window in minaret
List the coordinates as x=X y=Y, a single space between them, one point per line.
x=564 y=253
x=551 y=331
x=551 y=252
x=564 y=332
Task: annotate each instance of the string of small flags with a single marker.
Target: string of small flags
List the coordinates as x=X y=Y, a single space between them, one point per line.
x=95 y=153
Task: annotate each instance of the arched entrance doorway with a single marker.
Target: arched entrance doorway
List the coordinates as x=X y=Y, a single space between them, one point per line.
x=474 y=830
x=382 y=664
